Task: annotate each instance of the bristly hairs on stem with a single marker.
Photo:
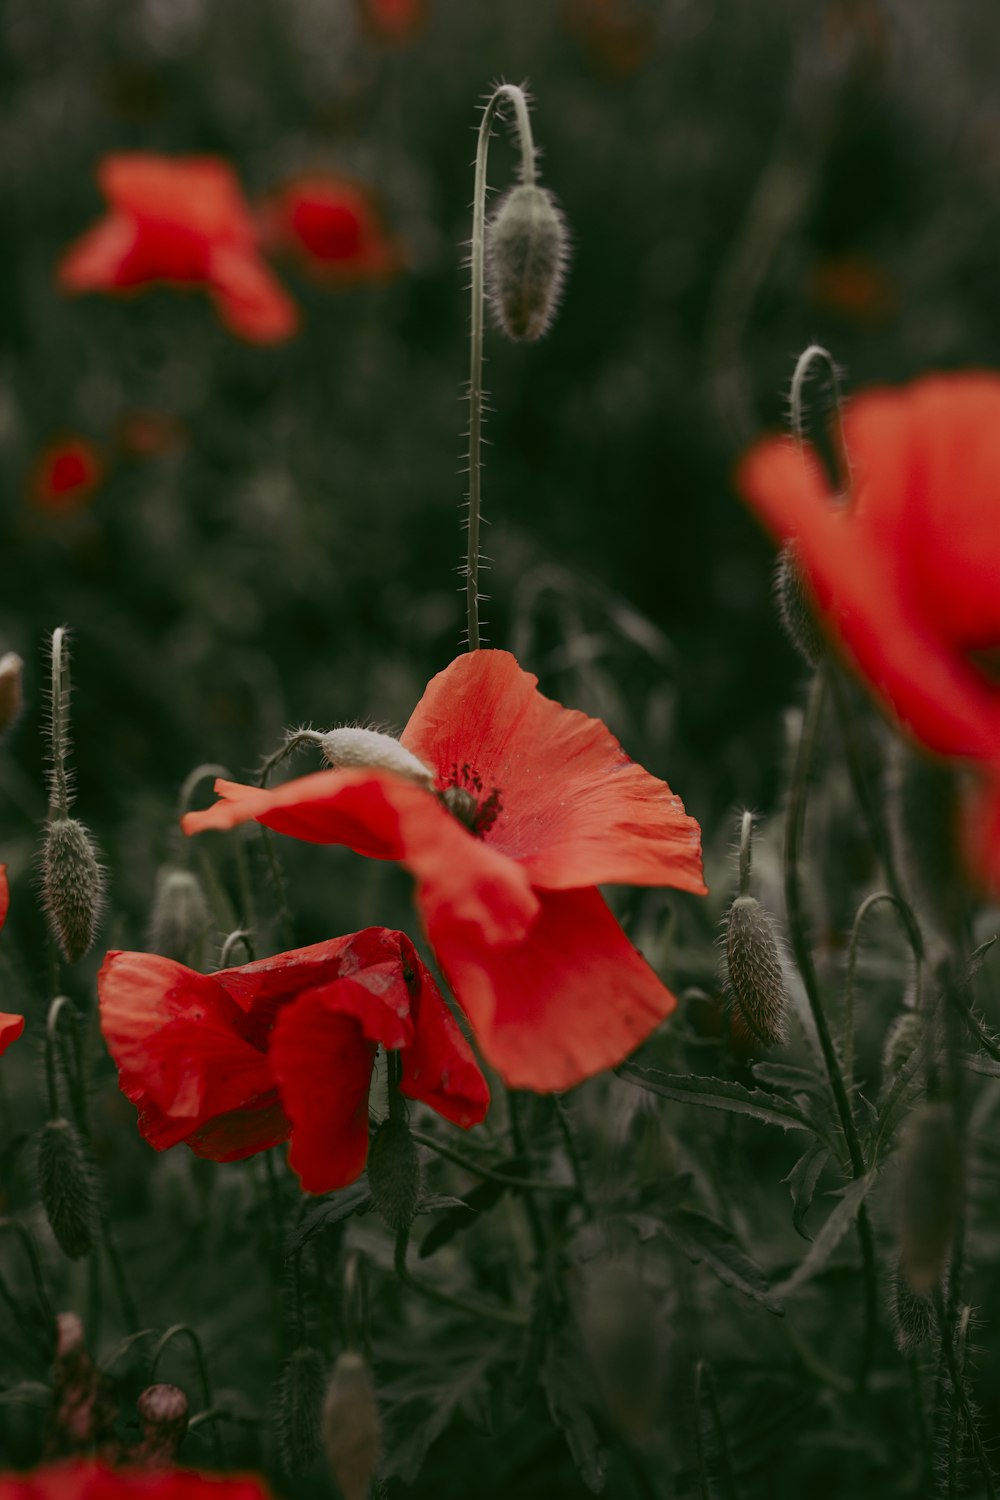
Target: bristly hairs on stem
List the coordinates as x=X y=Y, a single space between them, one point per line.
x=812 y=355
x=58 y=699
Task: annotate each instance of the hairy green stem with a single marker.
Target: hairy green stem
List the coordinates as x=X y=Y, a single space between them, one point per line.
x=867 y=906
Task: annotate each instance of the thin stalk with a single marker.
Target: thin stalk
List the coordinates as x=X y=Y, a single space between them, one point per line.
x=798 y=932
x=233 y=940
x=59 y=788
x=506 y=92
x=476 y=1309
x=576 y=1164
x=538 y=1234
x=705 y=1391
x=866 y=906
x=746 y=838
x=956 y=1375
x=179 y=1330
x=508 y=1179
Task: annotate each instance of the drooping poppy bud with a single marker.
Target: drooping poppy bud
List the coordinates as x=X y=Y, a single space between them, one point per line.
x=163 y=1412
x=66 y=1187
x=180 y=919
x=930 y=1194
x=753 y=965
x=394 y=1174
x=298 y=1405
x=912 y=1315
x=369 y=749
x=527 y=250
x=11 y=689
x=350 y=1426
x=795 y=609
x=72 y=886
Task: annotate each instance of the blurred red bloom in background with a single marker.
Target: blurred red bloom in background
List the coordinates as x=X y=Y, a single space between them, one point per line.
x=11 y=1026
x=546 y=806
x=65 y=475
x=333 y=228
x=235 y=1062
x=86 y=1480
x=183 y=221
x=394 y=20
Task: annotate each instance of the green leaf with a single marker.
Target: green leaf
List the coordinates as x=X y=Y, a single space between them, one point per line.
x=978 y=955
x=802 y=1180
x=26 y=1393
x=560 y=1377
x=703 y=1239
x=355 y=1199
x=829 y=1237
x=988 y=1067
x=720 y=1093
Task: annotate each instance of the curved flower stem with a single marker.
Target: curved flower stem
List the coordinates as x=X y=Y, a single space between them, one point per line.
x=73 y=1076
x=176 y=1331
x=506 y=92
x=237 y=936
x=798 y=932
x=562 y=1117
x=22 y=1233
x=493 y=1311
x=538 y=1234
x=866 y=906
x=191 y=783
x=508 y=1179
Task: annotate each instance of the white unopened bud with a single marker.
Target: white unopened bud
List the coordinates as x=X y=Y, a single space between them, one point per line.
x=527 y=249
x=350 y=1426
x=371 y=750
x=11 y=694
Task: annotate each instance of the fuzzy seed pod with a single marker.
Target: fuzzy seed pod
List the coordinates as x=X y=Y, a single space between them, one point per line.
x=900 y=1040
x=350 y=1426
x=72 y=886
x=527 y=249
x=394 y=1174
x=753 y=962
x=11 y=689
x=370 y=749
x=795 y=609
x=180 y=918
x=912 y=1316
x=930 y=1193
x=66 y=1188
x=298 y=1404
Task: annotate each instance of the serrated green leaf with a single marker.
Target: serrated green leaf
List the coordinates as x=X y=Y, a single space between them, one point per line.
x=355 y=1199
x=835 y=1226
x=704 y=1239
x=978 y=955
x=722 y=1094
x=802 y=1180
x=560 y=1381
x=26 y=1393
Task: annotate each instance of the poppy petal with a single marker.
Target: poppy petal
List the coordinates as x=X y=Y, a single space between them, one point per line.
x=102 y=257
x=572 y=999
x=199 y=191
x=930 y=688
x=250 y=298
x=323 y=1063
x=4 y=894
x=181 y=1060
x=459 y=877
x=574 y=810
x=11 y=1027
x=439 y=1067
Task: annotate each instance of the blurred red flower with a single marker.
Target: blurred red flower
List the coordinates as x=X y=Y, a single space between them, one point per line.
x=333 y=228
x=66 y=474
x=235 y=1062
x=394 y=21
x=86 y=1480
x=552 y=806
x=11 y=1026
x=183 y=221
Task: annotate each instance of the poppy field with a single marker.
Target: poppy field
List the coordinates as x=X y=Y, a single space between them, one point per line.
x=499 y=750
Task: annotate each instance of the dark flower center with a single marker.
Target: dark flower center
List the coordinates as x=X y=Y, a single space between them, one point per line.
x=464 y=796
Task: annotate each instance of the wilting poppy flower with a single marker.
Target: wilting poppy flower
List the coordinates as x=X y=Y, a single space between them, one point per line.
x=238 y=1061
x=11 y=1026
x=527 y=806
x=183 y=221
x=66 y=474
x=905 y=570
x=87 y=1480
x=333 y=228
x=394 y=20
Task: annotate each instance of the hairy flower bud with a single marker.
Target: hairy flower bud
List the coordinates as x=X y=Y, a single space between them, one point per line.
x=180 y=918
x=930 y=1195
x=369 y=749
x=66 y=1188
x=298 y=1404
x=394 y=1174
x=350 y=1426
x=163 y=1412
x=527 y=249
x=753 y=964
x=900 y=1040
x=72 y=886
x=912 y=1315
x=11 y=690
x=795 y=609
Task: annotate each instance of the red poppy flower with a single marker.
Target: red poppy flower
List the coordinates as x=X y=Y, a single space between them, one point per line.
x=332 y=227
x=552 y=807
x=235 y=1062
x=11 y=1026
x=66 y=475
x=87 y=1480
x=394 y=21
x=905 y=571
x=183 y=221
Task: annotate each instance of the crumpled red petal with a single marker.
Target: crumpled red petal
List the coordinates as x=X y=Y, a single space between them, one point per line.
x=199 y=191
x=575 y=810
x=11 y=1027
x=88 y=1479
x=4 y=894
x=102 y=258
x=573 y=998
x=459 y=878
x=250 y=298
x=438 y=1066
